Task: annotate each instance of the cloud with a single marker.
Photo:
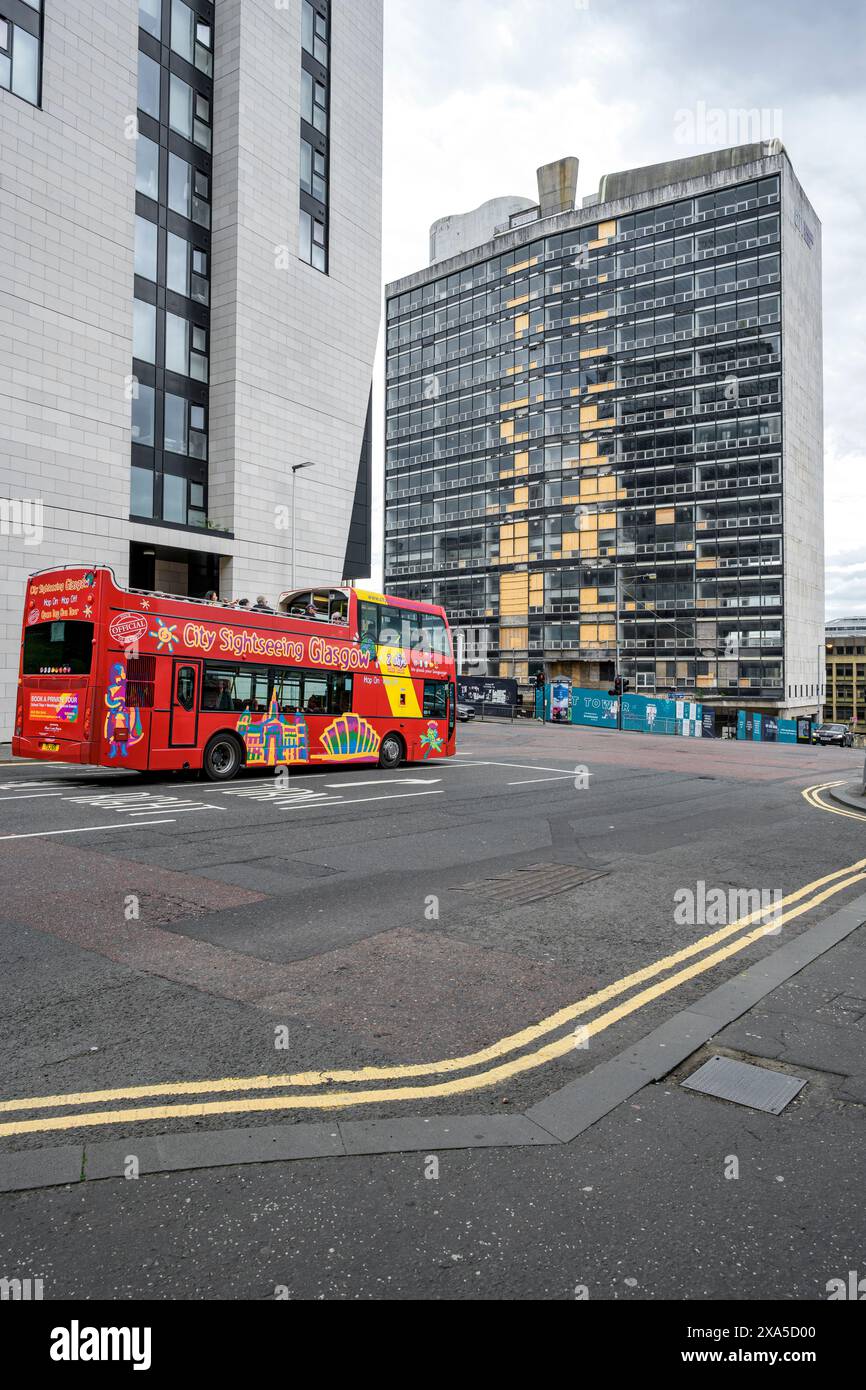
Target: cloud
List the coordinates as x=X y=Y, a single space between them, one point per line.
x=477 y=95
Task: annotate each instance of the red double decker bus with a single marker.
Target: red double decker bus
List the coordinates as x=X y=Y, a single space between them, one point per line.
x=124 y=678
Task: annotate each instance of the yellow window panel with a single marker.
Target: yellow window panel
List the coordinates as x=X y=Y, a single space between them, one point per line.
x=571 y=541
x=607 y=632
x=705 y=681
x=520 y=438
x=607 y=486
x=521 y=494
x=571 y=499
x=606 y=521
x=589 y=450
x=706 y=564
x=602 y=279
x=602 y=386
x=594 y=352
x=665 y=516
x=590 y=522
x=521 y=323
x=588 y=634
x=629 y=606
x=588 y=413
x=607 y=229
x=506 y=429
x=605 y=424
x=515 y=303
x=521 y=530
x=588 y=596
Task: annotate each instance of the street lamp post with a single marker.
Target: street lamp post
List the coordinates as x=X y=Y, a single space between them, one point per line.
x=296 y=468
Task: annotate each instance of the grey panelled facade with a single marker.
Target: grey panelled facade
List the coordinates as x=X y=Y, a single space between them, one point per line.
x=604 y=437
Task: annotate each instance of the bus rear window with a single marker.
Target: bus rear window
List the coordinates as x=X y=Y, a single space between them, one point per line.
x=61 y=648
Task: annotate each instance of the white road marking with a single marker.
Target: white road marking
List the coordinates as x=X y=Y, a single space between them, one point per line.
x=389 y=782
x=82 y=829
x=30 y=796
x=520 y=767
x=364 y=800
x=530 y=781
x=276 y=794
x=140 y=803
x=36 y=782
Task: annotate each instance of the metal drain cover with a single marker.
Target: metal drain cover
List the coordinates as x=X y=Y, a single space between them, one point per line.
x=744 y=1084
x=529 y=884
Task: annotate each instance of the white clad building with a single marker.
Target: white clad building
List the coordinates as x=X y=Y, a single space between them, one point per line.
x=190 y=220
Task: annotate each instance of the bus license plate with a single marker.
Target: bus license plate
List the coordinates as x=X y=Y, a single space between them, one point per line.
x=50 y=747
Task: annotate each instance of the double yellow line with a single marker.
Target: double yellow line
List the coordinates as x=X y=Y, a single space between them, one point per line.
x=813 y=796
x=712 y=952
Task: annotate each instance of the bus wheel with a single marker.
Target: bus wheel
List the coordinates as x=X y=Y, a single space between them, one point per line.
x=222 y=758
x=391 y=751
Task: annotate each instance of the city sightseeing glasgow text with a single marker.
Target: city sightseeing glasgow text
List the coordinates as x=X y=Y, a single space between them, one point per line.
x=240 y=642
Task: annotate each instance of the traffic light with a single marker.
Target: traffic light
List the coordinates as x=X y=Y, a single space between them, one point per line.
x=620 y=685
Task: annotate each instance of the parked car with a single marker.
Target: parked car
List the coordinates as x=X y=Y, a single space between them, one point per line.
x=465 y=712
x=839 y=734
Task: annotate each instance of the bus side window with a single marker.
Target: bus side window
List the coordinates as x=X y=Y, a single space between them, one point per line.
x=287 y=688
x=186 y=687
x=435 y=700
x=420 y=636
x=339 y=608
x=368 y=622
x=436 y=633
x=340 y=693
x=251 y=689
x=391 y=627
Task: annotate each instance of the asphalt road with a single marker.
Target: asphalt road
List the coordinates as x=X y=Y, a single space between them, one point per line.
x=435 y=924
x=157 y=932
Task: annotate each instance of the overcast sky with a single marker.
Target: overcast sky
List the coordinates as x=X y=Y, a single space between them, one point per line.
x=478 y=93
